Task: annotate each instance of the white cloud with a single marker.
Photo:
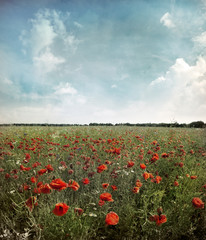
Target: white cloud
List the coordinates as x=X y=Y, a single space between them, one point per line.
x=157 y=81
x=185 y=92
x=78 y=25
x=41 y=34
x=65 y=89
x=114 y=86
x=48 y=41
x=47 y=62
x=201 y=39
x=166 y=20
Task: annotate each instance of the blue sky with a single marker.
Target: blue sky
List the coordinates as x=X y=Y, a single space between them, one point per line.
x=83 y=61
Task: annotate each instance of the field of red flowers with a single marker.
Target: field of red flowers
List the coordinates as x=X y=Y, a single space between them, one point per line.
x=102 y=183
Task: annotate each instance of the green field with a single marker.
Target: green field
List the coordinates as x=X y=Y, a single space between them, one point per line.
x=53 y=180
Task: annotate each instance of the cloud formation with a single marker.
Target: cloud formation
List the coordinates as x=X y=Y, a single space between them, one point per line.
x=185 y=89
x=166 y=20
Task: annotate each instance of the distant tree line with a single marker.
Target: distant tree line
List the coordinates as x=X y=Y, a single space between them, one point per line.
x=197 y=124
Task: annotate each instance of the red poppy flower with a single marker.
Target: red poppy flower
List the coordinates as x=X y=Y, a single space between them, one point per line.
x=197 y=202
x=114 y=188
x=58 y=184
x=70 y=171
x=154 y=158
x=130 y=164
x=193 y=177
x=158 y=179
x=135 y=189
x=33 y=179
x=49 y=168
x=101 y=203
x=78 y=211
x=85 y=181
x=106 y=197
x=164 y=155
x=112 y=218
x=24 y=168
x=31 y=202
x=101 y=168
x=42 y=171
x=138 y=183
x=27 y=157
x=60 y=209
x=36 y=164
x=146 y=175
x=142 y=166
x=176 y=184
x=73 y=185
x=105 y=185
x=46 y=189
x=7 y=175
x=159 y=219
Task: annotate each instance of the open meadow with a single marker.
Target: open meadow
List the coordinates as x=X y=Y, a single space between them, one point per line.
x=87 y=182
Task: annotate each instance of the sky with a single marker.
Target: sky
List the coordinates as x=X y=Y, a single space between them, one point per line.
x=111 y=61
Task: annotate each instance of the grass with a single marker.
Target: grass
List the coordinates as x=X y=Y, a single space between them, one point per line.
x=75 y=153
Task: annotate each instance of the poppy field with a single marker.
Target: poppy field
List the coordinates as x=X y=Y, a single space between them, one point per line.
x=119 y=182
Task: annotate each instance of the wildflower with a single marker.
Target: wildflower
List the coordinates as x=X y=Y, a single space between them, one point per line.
x=138 y=183
x=197 y=202
x=193 y=177
x=49 y=168
x=101 y=168
x=78 y=211
x=157 y=180
x=135 y=189
x=36 y=164
x=31 y=202
x=176 y=184
x=85 y=181
x=108 y=162
x=73 y=185
x=33 y=179
x=159 y=210
x=46 y=189
x=151 y=175
x=27 y=157
x=191 y=151
x=105 y=185
x=60 y=209
x=24 y=168
x=130 y=164
x=114 y=187
x=112 y=218
x=42 y=171
x=159 y=219
x=7 y=175
x=142 y=166
x=106 y=197
x=146 y=175
x=58 y=184
x=101 y=203
x=70 y=171
x=154 y=158
x=26 y=187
